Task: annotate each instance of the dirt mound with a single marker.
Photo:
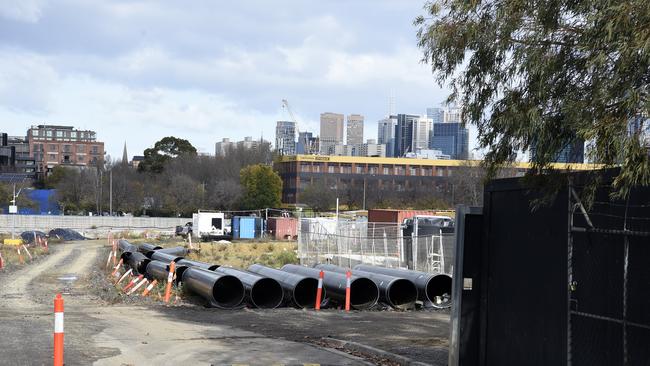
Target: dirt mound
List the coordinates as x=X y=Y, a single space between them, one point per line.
x=66 y=234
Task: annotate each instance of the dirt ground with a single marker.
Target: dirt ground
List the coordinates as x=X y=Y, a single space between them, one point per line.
x=102 y=332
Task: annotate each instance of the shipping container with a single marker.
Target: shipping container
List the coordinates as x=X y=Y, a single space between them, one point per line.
x=247 y=227
x=282 y=228
x=395 y=216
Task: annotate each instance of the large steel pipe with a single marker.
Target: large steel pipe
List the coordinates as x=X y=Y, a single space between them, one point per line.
x=219 y=289
x=164 y=257
x=432 y=287
x=146 y=248
x=125 y=246
x=397 y=292
x=179 y=251
x=364 y=293
x=204 y=265
x=136 y=260
x=300 y=290
x=262 y=292
x=159 y=270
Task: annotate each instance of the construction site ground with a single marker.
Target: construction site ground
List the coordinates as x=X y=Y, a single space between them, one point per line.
x=100 y=332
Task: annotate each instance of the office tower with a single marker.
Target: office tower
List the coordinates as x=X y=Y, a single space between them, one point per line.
x=421 y=133
x=437 y=115
x=453 y=114
x=574 y=152
x=404 y=134
x=386 y=134
x=285 y=137
x=307 y=144
x=450 y=138
x=331 y=132
x=355 y=129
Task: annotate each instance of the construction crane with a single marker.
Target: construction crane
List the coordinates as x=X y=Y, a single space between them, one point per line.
x=285 y=105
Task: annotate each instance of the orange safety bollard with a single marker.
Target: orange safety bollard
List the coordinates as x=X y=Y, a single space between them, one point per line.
x=2 y=262
x=170 y=279
x=348 y=274
x=136 y=287
x=20 y=256
x=28 y=253
x=148 y=288
x=117 y=268
x=319 y=292
x=123 y=277
x=58 y=330
x=132 y=283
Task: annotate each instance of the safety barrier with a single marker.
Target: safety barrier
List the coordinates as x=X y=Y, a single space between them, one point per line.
x=58 y=330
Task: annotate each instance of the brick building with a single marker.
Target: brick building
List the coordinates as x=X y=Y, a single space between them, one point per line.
x=52 y=145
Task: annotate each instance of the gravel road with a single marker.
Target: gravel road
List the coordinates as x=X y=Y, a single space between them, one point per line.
x=103 y=334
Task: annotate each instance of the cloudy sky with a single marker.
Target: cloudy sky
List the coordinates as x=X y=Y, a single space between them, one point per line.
x=137 y=71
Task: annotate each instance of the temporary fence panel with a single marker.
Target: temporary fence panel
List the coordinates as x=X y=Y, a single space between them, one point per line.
x=347 y=243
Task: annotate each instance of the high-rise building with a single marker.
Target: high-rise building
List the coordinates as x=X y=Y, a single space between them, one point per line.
x=63 y=145
x=574 y=152
x=404 y=134
x=222 y=147
x=307 y=144
x=355 y=129
x=450 y=138
x=421 y=133
x=285 y=137
x=437 y=115
x=453 y=114
x=386 y=134
x=331 y=132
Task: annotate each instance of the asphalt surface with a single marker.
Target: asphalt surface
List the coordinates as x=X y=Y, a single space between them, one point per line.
x=100 y=333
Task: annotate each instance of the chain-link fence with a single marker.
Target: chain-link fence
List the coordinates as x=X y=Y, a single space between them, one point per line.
x=347 y=243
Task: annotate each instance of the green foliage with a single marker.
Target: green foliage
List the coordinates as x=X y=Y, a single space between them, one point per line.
x=262 y=187
x=57 y=174
x=318 y=196
x=163 y=151
x=546 y=74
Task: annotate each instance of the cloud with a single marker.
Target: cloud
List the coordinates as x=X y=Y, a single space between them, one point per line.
x=29 y=11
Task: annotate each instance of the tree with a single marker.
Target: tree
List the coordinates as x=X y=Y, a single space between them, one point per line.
x=318 y=196
x=163 y=151
x=262 y=187
x=546 y=74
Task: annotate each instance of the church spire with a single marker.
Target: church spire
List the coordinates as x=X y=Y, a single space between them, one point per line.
x=125 y=156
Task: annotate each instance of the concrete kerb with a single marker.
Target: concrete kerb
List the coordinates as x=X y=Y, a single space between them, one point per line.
x=372 y=351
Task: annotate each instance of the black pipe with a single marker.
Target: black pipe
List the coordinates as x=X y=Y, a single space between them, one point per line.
x=164 y=257
x=432 y=287
x=364 y=293
x=125 y=246
x=397 y=292
x=204 y=265
x=179 y=251
x=146 y=249
x=221 y=290
x=262 y=292
x=160 y=270
x=300 y=290
x=136 y=260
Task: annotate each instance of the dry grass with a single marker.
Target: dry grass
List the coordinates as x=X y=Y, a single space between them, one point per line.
x=242 y=255
x=12 y=259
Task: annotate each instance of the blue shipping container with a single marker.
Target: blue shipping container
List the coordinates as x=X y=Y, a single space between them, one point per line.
x=246 y=227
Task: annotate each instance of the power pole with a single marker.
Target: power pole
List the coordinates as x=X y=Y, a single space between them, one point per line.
x=110 y=192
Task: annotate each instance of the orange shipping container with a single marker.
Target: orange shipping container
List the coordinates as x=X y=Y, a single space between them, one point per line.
x=395 y=216
x=282 y=228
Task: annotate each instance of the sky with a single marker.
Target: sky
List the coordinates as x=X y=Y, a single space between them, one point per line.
x=137 y=71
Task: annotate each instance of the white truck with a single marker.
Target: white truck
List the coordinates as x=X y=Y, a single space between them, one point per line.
x=209 y=225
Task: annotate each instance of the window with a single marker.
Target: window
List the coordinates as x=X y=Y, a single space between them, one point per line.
x=346 y=169
x=95 y=149
x=304 y=167
x=73 y=134
x=59 y=133
x=330 y=169
x=372 y=169
x=52 y=157
x=426 y=172
x=316 y=167
x=386 y=171
x=67 y=148
x=80 y=159
x=399 y=170
x=414 y=171
x=48 y=133
x=52 y=147
x=359 y=169
x=81 y=148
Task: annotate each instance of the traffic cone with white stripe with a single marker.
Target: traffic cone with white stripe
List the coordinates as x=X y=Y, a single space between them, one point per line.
x=149 y=288
x=319 y=292
x=58 y=330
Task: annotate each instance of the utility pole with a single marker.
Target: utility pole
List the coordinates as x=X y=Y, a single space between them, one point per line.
x=364 y=193
x=110 y=192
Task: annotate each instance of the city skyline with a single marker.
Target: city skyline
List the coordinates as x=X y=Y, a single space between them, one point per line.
x=125 y=71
